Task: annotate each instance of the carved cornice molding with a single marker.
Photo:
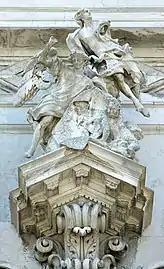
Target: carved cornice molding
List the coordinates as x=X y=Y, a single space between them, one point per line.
x=147 y=129
x=49 y=169
x=62 y=17
x=6 y=100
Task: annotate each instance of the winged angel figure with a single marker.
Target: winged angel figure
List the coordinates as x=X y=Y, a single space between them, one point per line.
x=67 y=85
x=81 y=100
x=113 y=62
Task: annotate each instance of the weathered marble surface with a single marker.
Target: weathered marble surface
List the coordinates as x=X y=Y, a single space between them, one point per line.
x=71 y=81
x=83 y=91
x=152 y=240
x=62 y=74
x=91 y=219
x=158 y=239
x=37 y=38
x=42 y=14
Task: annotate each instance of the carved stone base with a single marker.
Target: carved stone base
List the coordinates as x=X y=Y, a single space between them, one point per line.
x=79 y=205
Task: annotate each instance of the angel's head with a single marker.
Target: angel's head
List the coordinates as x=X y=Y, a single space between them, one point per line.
x=82 y=16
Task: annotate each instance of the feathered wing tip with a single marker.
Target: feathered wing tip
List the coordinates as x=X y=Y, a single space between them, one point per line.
x=25 y=92
x=154 y=79
x=157 y=91
x=28 y=86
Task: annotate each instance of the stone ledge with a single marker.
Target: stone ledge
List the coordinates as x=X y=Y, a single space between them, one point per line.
x=6 y=100
x=148 y=129
x=62 y=17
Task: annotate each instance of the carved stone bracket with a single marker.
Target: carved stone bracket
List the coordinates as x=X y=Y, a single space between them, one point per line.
x=117 y=251
x=80 y=205
x=81 y=226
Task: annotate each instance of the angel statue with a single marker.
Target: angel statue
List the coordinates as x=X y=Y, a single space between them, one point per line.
x=64 y=80
x=110 y=60
x=75 y=107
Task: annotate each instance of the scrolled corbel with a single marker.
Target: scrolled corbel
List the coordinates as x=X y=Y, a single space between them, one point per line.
x=118 y=247
x=108 y=261
x=55 y=262
x=43 y=248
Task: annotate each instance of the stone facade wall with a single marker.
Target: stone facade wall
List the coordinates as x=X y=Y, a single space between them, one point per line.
x=123 y=13
x=15 y=134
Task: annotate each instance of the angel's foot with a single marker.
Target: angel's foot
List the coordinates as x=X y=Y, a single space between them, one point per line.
x=29 y=154
x=142 y=110
x=145 y=112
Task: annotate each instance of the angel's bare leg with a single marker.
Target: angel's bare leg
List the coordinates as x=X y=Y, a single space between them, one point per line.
x=127 y=91
x=136 y=76
x=48 y=131
x=136 y=91
x=111 y=86
x=38 y=134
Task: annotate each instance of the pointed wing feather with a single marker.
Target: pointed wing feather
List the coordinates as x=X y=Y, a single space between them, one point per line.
x=154 y=80
x=30 y=80
x=26 y=92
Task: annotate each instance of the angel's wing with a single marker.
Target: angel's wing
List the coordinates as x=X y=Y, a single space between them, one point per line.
x=31 y=81
x=154 y=80
x=38 y=80
x=26 y=91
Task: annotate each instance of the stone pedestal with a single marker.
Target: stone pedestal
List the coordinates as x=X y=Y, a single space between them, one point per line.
x=80 y=205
